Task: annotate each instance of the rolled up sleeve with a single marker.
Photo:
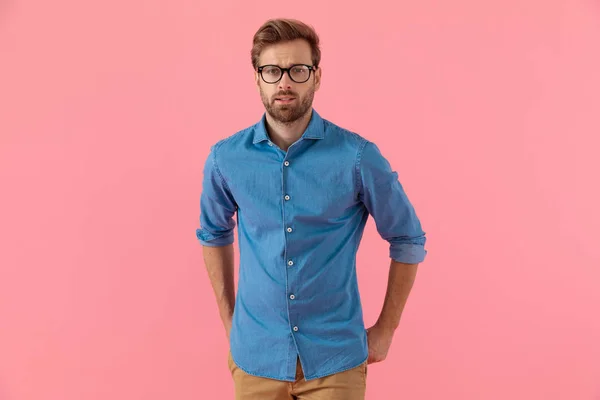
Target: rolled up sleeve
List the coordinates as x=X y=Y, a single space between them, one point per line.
x=386 y=201
x=217 y=206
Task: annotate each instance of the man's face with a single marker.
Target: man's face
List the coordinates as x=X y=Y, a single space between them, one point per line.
x=286 y=101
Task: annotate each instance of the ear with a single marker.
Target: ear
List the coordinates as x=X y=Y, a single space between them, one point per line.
x=318 y=78
x=257 y=81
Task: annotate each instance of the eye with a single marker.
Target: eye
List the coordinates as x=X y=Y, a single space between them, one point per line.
x=274 y=71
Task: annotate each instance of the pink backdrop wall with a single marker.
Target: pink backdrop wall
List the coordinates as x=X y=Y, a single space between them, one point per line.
x=489 y=110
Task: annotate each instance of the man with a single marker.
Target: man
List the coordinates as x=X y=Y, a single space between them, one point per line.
x=302 y=189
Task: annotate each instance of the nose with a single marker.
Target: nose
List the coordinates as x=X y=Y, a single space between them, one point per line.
x=285 y=83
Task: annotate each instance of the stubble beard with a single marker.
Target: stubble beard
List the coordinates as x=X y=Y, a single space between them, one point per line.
x=288 y=114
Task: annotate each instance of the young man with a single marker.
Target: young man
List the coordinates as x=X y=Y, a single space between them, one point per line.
x=302 y=188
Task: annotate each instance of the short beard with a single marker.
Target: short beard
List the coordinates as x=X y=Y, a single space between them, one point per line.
x=287 y=114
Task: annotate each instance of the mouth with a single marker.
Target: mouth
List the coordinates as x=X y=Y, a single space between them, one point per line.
x=285 y=100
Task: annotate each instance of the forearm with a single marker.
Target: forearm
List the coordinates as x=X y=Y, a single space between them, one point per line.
x=400 y=282
x=219 y=263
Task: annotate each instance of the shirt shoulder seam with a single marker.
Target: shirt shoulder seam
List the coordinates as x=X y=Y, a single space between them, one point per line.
x=218 y=145
x=358 y=175
x=216 y=165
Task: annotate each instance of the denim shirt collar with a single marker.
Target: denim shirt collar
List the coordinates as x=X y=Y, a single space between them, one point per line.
x=314 y=130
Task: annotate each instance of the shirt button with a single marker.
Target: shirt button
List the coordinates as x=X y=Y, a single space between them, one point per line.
x=287 y=197
x=270 y=144
x=290 y=263
x=292 y=297
x=295 y=329
x=289 y=229
x=287 y=163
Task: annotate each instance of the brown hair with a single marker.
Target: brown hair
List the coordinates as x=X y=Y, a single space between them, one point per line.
x=283 y=30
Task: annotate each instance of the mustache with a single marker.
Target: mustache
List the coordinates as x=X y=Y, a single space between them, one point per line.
x=285 y=93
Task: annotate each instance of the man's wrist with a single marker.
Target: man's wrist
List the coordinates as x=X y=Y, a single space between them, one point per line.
x=386 y=326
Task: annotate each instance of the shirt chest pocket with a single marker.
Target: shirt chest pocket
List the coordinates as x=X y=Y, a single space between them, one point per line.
x=324 y=193
x=266 y=195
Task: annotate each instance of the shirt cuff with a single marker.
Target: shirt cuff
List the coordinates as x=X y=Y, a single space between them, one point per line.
x=214 y=240
x=408 y=253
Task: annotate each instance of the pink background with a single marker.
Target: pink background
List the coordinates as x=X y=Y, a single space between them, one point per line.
x=489 y=110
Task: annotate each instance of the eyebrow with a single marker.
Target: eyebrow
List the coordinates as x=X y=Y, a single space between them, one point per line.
x=288 y=65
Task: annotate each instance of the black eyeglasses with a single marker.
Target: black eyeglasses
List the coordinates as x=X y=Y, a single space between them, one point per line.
x=299 y=73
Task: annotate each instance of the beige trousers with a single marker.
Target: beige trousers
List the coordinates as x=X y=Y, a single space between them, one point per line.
x=346 y=385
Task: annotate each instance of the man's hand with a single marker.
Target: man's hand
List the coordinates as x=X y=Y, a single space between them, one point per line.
x=379 y=339
x=219 y=264
x=379 y=336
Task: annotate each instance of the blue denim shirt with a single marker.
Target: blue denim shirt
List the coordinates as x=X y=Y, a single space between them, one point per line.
x=300 y=216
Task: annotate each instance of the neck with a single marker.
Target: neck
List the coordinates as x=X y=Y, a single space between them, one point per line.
x=286 y=134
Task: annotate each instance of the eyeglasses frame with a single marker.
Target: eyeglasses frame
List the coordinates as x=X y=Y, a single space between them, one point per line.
x=284 y=70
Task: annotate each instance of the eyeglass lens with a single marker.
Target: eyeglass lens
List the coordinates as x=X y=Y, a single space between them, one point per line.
x=298 y=73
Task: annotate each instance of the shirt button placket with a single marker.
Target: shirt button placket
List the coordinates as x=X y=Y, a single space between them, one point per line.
x=289 y=229
x=287 y=198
